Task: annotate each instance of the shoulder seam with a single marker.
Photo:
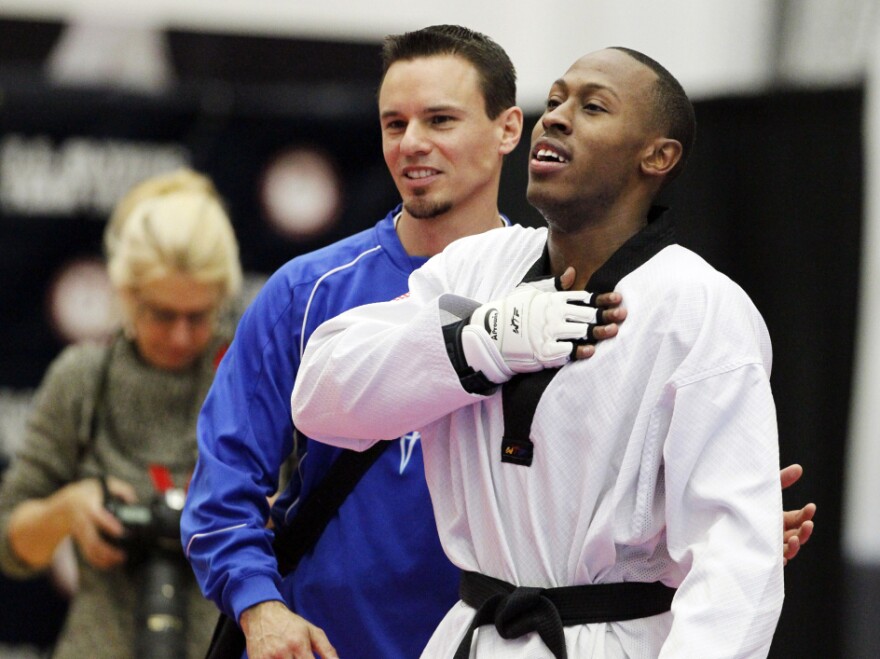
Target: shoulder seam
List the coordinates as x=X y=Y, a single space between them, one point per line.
x=318 y=282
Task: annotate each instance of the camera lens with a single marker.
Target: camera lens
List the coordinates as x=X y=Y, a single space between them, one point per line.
x=162 y=609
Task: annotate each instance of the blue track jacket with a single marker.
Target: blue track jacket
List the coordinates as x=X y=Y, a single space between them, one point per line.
x=377 y=582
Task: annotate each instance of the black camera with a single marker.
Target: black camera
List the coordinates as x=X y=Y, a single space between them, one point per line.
x=148 y=527
x=152 y=543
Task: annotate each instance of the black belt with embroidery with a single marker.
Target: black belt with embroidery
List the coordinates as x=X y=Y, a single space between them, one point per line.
x=517 y=611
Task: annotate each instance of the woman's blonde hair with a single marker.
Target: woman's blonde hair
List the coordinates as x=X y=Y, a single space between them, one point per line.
x=172 y=223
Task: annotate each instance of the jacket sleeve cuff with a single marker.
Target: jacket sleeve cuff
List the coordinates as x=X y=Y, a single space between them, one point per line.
x=253 y=590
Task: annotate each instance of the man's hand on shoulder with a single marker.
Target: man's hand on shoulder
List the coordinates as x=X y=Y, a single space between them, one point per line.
x=274 y=632
x=797 y=525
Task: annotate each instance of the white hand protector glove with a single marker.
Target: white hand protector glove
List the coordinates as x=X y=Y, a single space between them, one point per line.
x=529 y=330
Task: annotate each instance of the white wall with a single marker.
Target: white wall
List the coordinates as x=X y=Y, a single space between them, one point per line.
x=713 y=46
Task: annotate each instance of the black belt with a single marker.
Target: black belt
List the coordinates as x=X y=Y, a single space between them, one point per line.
x=517 y=611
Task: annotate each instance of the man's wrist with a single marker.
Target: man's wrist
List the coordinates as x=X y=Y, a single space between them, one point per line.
x=249 y=614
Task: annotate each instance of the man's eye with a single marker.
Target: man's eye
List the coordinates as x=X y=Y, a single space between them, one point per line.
x=552 y=103
x=395 y=125
x=441 y=119
x=594 y=107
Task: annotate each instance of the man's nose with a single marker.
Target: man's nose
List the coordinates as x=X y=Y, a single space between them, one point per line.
x=415 y=139
x=558 y=117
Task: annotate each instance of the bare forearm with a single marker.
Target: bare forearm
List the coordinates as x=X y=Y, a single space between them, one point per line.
x=38 y=526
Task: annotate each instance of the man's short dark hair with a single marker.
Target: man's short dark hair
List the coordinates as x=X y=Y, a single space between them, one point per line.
x=496 y=72
x=672 y=106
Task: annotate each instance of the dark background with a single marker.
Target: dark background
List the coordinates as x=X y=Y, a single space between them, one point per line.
x=772 y=197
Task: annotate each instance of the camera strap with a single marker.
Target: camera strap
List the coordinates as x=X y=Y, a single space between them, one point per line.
x=293 y=541
x=87 y=439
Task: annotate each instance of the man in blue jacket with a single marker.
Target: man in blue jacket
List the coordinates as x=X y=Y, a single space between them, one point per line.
x=377 y=582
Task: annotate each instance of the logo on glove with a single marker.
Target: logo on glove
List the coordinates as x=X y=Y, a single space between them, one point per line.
x=514 y=320
x=491 y=324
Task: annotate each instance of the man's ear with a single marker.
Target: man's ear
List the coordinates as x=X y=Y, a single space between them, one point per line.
x=661 y=156
x=511 y=123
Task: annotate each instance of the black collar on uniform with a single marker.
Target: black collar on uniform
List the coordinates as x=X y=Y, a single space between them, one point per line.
x=520 y=395
x=638 y=250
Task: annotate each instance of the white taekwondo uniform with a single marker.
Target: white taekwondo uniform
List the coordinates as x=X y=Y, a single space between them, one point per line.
x=655 y=460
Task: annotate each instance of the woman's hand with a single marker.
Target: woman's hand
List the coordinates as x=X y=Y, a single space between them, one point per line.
x=93 y=526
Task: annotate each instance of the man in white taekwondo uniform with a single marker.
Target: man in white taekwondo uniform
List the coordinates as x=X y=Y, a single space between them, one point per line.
x=622 y=506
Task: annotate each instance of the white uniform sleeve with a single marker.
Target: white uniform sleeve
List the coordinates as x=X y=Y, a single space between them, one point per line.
x=382 y=370
x=724 y=515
